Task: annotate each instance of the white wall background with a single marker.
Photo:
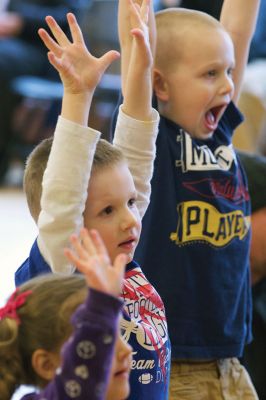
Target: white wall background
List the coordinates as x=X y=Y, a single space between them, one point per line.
x=17 y=232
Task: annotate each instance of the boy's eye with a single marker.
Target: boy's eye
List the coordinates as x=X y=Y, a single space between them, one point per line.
x=107 y=210
x=211 y=73
x=132 y=202
x=230 y=71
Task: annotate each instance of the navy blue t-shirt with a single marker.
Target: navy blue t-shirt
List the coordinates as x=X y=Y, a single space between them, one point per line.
x=194 y=246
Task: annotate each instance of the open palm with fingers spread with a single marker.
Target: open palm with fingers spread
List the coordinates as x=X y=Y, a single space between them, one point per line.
x=79 y=70
x=90 y=256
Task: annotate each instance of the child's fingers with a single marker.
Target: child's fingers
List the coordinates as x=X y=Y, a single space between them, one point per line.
x=138 y=34
x=78 y=247
x=74 y=29
x=139 y=15
x=70 y=256
x=143 y=44
x=56 y=63
x=88 y=242
x=135 y=17
x=144 y=11
x=57 y=31
x=61 y=66
x=136 y=6
x=99 y=245
x=81 y=265
x=49 y=42
x=108 y=58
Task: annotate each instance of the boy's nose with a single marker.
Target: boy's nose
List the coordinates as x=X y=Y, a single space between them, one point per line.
x=227 y=86
x=129 y=220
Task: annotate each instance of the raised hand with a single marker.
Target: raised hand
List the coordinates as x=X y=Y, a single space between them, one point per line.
x=139 y=21
x=137 y=59
x=78 y=69
x=90 y=256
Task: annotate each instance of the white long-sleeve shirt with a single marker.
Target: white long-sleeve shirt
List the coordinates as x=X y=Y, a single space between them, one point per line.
x=66 y=179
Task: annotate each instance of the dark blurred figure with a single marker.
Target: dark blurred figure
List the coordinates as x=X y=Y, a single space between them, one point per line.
x=22 y=53
x=254 y=357
x=212 y=7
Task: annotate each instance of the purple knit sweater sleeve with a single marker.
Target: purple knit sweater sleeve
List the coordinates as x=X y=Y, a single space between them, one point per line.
x=87 y=355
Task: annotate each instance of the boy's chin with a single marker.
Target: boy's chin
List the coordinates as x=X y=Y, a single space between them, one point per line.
x=203 y=135
x=208 y=136
x=130 y=257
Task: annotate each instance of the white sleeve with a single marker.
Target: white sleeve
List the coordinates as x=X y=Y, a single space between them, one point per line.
x=136 y=139
x=64 y=191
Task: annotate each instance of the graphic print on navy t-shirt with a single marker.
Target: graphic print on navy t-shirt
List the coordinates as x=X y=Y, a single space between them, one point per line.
x=198 y=219
x=144 y=326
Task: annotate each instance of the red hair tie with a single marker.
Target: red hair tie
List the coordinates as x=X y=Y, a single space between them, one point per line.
x=15 y=301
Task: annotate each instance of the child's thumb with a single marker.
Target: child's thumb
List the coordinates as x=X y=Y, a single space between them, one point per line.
x=109 y=57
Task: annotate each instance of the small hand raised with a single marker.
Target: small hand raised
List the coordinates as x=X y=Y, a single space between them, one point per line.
x=78 y=68
x=90 y=256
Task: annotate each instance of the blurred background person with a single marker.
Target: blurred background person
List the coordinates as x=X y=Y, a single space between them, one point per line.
x=254 y=357
x=22 y=53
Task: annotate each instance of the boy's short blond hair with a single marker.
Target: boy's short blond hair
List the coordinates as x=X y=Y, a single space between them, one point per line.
x=105 y=155
x=173 y=26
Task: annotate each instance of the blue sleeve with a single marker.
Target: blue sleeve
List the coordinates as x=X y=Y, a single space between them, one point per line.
x=33 y=266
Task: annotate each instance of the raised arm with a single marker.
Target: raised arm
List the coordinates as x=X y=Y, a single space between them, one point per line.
x=138 y=83
x=126 y=38
x=79 y=71
x=239 y=19
x=66 y=178
x=137 y=123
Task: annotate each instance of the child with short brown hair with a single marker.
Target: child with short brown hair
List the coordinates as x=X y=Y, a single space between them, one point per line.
x=111 y=197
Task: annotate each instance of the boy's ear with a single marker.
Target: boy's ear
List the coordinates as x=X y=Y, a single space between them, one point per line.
x=160 y=85
x=45 y=363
